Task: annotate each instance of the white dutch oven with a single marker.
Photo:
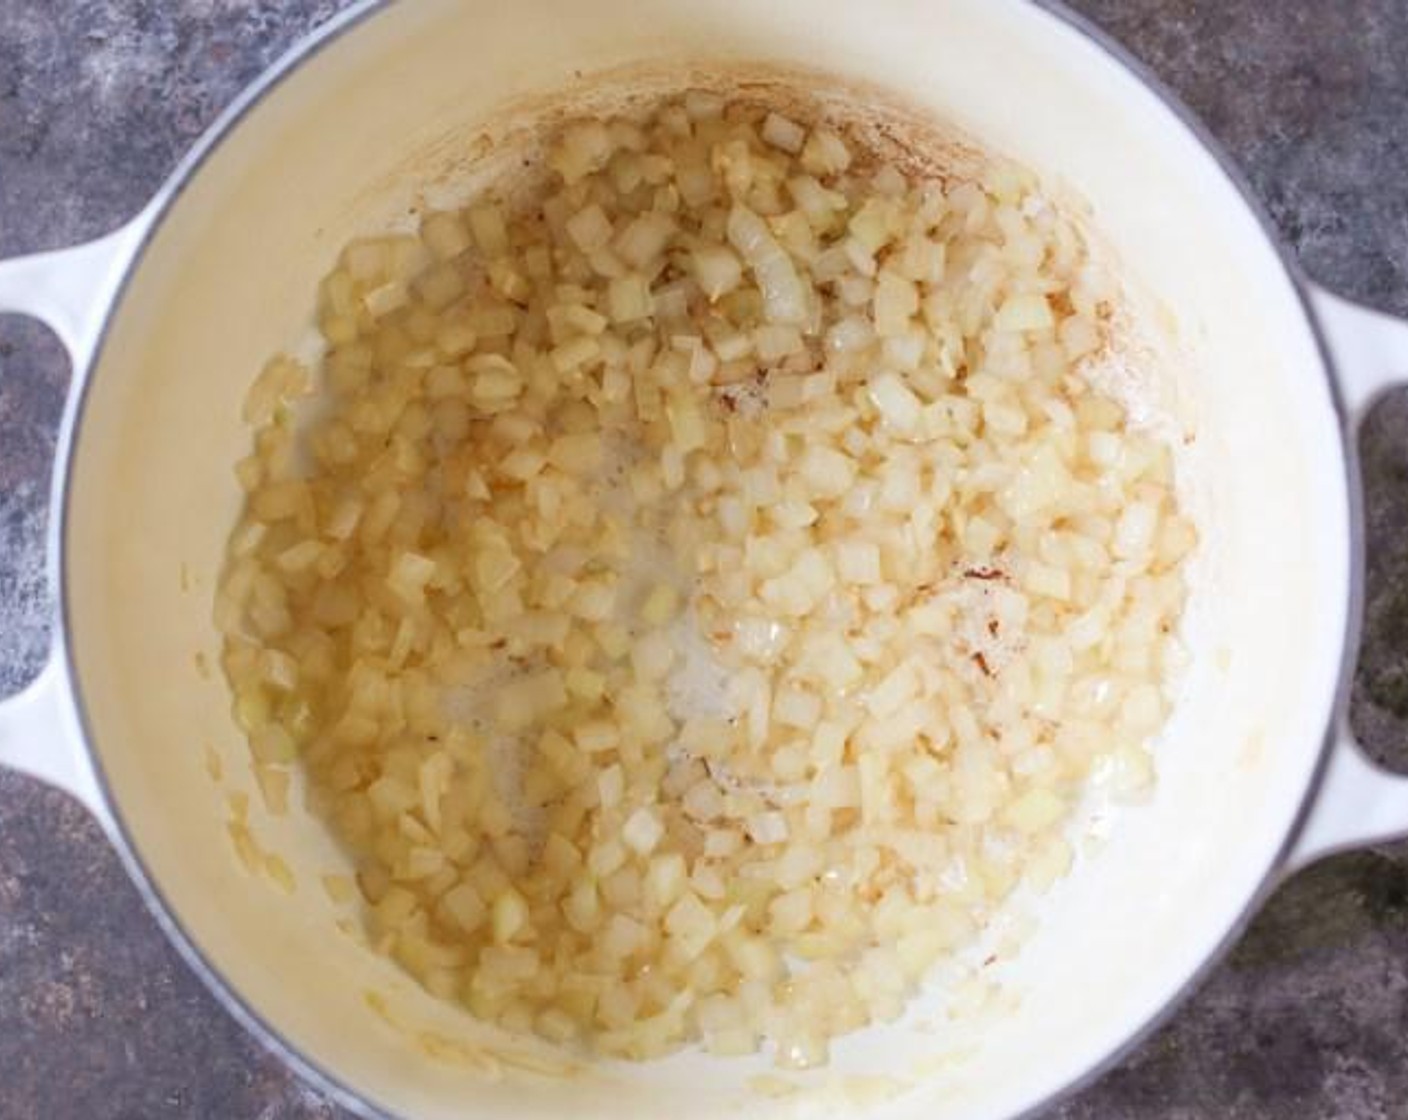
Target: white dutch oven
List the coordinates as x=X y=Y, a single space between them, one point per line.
x=167 y=319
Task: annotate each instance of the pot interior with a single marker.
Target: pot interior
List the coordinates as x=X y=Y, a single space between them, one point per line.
x=415 y=103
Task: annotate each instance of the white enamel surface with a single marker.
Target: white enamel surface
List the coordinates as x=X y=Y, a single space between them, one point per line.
x=39 y=736
x=1370 y=348
x=1358 y=802
x=71 y=291
x=339 y=149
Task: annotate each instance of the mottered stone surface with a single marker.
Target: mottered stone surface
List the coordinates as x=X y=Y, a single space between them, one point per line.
x=99 y=1020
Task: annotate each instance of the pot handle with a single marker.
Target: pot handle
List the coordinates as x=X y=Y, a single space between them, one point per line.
x=1358 y=802
x=40 y=736
x=72 y=291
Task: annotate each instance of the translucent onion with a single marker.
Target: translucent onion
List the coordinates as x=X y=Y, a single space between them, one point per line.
x=703 y=582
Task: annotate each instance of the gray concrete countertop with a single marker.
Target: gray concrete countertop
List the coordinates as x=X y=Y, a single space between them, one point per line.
x=99 y=1020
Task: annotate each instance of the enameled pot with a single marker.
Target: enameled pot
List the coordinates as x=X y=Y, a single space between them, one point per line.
x=167 y=320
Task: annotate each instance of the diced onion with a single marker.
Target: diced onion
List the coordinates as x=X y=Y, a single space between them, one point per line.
x=704 y=581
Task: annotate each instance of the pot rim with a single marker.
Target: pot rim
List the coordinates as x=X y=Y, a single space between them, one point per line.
x=225 y=992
